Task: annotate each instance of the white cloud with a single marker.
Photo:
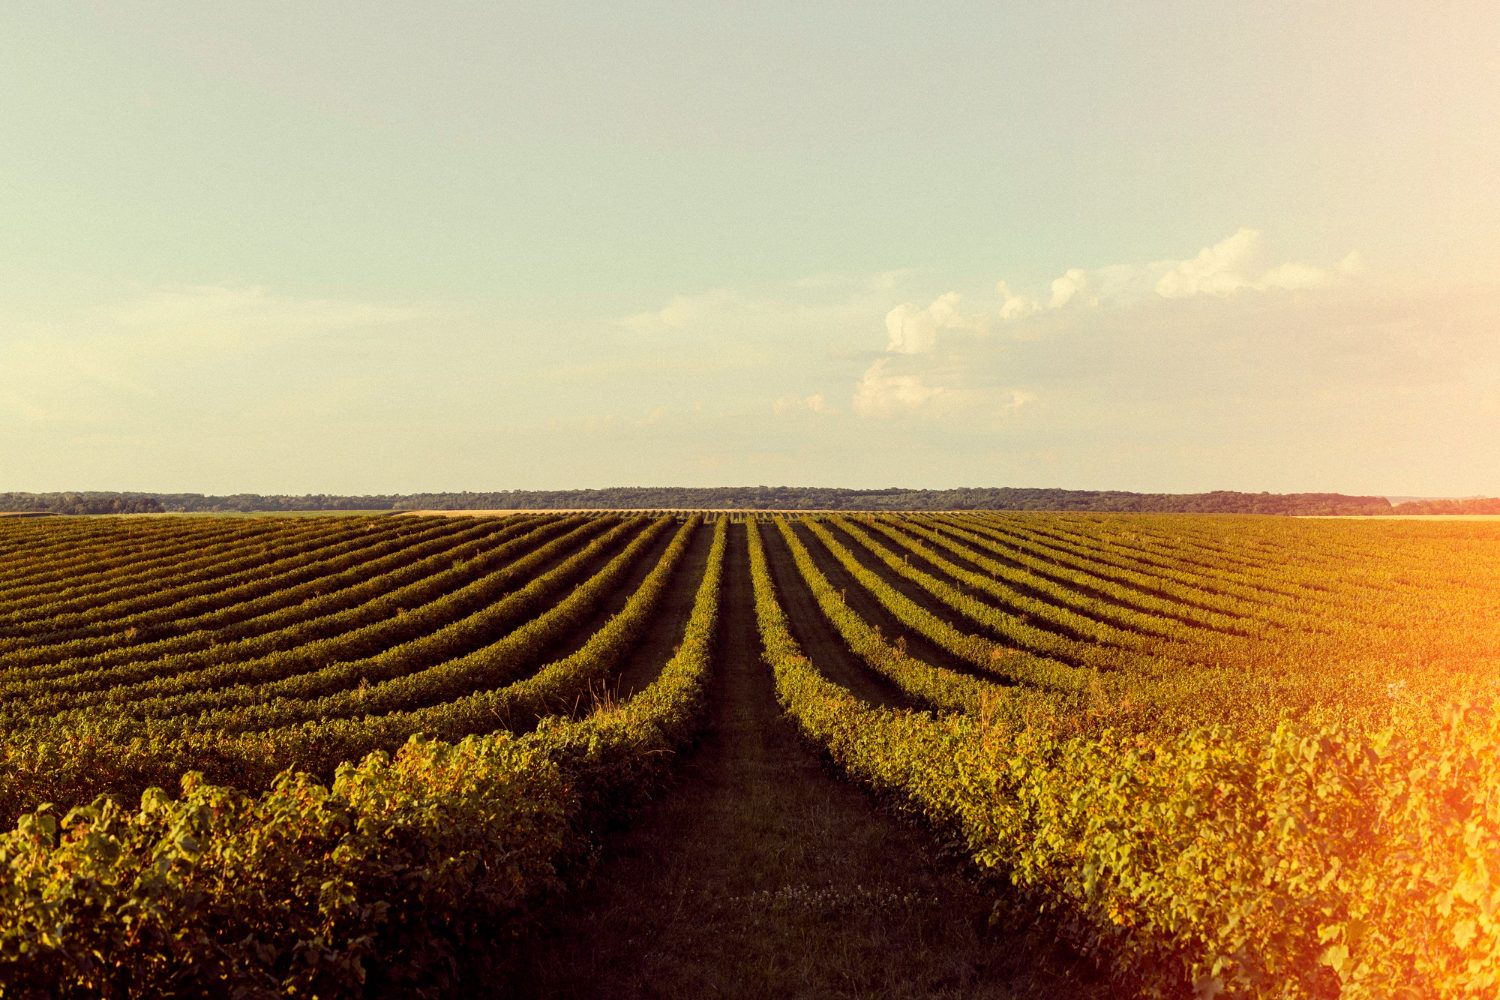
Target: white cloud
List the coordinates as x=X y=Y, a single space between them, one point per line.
x=881 y=393
x=928 y=373
x=933 y=393
x=1234 y=265
x=1071 y=285
x=911 y=329
x=1014 y=305
x=1217 y=270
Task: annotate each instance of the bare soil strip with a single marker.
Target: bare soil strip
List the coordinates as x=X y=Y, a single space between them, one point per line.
x=933 y=570
x=939 y=609
x=763 y=875
x=871 y=610
x=670 y=619
x=609 y=604
x=996 y=548
x=816 y=634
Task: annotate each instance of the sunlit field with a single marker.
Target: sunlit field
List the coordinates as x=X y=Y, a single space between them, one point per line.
x=1212 y=755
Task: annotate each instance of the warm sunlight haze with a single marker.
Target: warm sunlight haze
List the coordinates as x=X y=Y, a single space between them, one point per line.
x=1161 y=247
x=837 y=500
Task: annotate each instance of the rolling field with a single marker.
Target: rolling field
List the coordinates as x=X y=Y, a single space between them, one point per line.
x=983 y=754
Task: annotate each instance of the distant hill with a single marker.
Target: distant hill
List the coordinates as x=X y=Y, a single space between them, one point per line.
x=732 y=498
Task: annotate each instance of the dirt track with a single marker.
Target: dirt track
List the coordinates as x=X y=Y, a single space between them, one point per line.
x=762 y=874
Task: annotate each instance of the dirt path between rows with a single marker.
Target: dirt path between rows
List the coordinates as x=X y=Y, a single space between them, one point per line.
x=865 y=604
x=761 y=874
x=816 y=636
x=645 y=660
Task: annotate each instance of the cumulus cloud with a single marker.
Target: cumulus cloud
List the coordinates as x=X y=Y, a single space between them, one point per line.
x=913 y=330
x=1235 y=264
x=883 y=393
x=1014 y=305
x=1217 y=270
x=910 y=330
x=925 y=371
x=924 y=380
x=1072 y=284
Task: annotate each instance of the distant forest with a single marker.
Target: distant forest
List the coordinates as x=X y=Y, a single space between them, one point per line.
x=752 y=497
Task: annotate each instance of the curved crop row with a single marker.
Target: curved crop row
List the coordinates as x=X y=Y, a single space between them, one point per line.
x=31 y=608
x=1032 y=597
x=118 y=628
x=1002 y=623
x=1015 y=665
x=324 y=583
x=540 y=614
x=1051 y=592
x=249 y=744
x=368 y=884
x=1186 y=605
x=1274 y=577
x=1218 y=592
x=203 y=579
x=465 y=615
x=940 y=687
x=1239 y=869
x=553 y=689
x=108 y=545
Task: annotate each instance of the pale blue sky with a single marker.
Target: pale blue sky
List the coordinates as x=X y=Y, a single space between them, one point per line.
x=364 y=247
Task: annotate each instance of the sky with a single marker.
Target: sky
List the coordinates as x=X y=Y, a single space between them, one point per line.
x=370 y=248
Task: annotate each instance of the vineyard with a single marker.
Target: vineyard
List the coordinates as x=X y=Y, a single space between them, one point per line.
x=1216 y=755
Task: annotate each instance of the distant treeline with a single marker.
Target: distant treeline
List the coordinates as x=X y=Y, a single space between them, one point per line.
x=815 y=498
x=161 y=503
x=753 y=498
x=1473 y=505
x=80 y=503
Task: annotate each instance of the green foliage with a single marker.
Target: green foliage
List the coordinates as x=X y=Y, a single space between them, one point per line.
x=939 y=687
x=371 y=884
x=1222 y=755
x=306 y=889
x=1305 y=863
